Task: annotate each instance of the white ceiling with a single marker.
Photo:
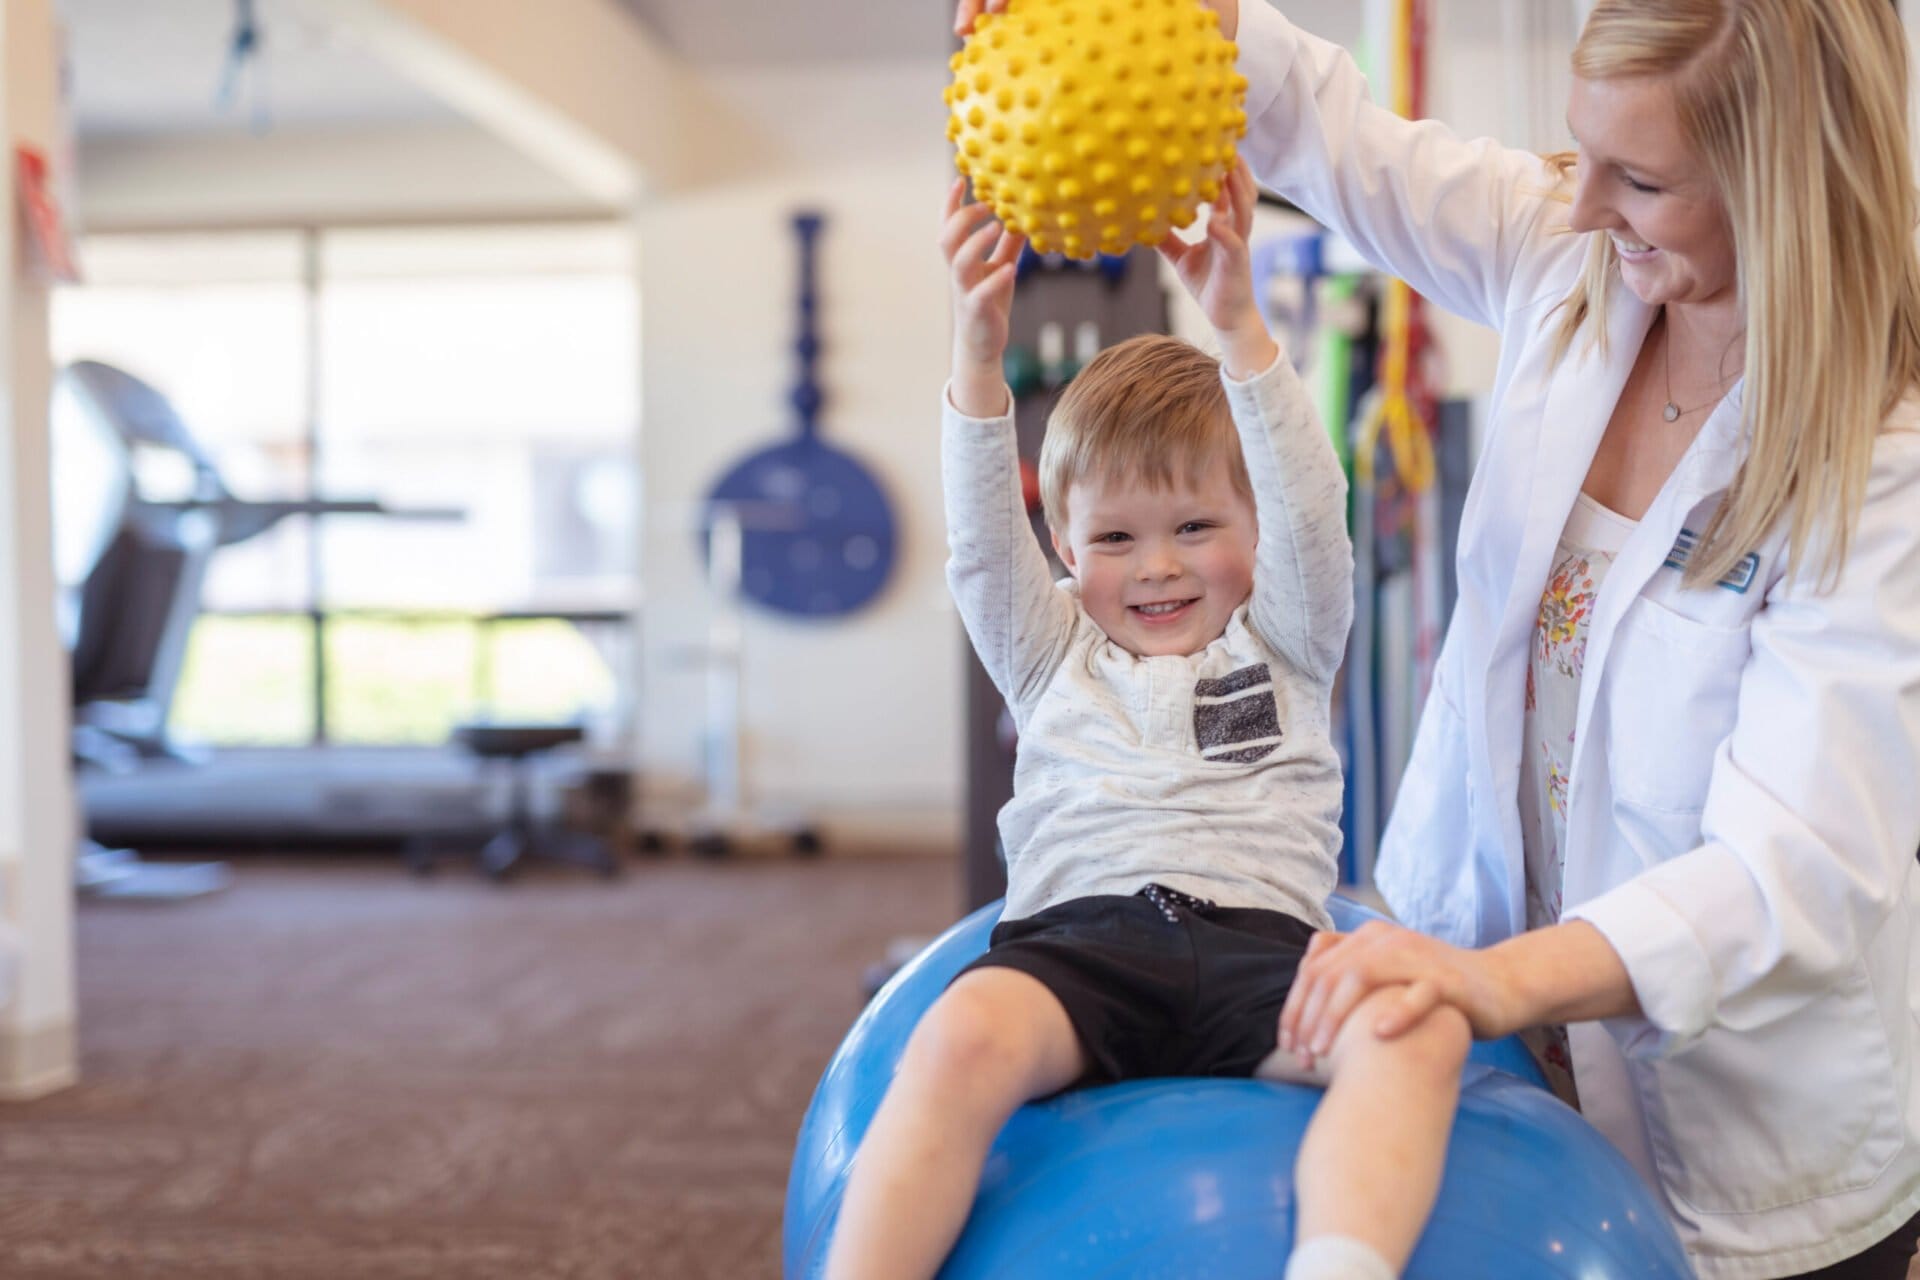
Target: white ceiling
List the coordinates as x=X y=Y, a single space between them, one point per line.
x=736 y=32
x=141 y=68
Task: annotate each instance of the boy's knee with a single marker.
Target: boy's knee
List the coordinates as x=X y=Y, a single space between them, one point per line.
x=1444 y=1036
x=1437 y=1045
x=965 y=1043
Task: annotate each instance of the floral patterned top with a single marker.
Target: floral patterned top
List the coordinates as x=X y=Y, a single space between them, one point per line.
x=1592 y=539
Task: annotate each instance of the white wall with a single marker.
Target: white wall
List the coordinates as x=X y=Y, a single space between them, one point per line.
x=857 y=720
x=302 y=177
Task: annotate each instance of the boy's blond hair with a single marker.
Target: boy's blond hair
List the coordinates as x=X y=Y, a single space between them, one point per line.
x=1149 y=411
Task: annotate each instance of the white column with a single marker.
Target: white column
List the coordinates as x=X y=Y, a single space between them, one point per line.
x=37 y=1043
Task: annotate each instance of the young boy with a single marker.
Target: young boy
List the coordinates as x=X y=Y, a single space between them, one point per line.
x=1174 y=827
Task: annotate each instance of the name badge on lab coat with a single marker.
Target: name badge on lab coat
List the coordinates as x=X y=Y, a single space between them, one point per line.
x=1737 y=579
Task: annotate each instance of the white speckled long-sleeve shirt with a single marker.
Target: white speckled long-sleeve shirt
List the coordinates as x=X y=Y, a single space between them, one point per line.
x=1212 y=773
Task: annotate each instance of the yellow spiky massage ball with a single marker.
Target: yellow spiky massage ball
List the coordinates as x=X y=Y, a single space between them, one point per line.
x=1096 y=125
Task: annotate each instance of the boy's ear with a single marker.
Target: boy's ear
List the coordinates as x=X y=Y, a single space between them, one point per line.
x=1064 y=550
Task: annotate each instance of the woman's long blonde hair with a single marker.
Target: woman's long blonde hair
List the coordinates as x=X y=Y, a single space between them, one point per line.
x=1798 y=110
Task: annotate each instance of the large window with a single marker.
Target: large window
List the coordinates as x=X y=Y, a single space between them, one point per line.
x=481 y=382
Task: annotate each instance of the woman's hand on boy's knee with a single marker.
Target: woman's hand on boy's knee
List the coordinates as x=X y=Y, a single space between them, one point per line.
x=1342 y=970
x=1437 y=1040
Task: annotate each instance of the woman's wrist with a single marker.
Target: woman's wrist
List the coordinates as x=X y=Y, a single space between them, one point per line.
x=1563 y=973
x=1510 y=1008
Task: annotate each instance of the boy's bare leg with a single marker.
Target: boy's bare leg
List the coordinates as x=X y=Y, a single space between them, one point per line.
x=995 y=1040
x=1369 y=1167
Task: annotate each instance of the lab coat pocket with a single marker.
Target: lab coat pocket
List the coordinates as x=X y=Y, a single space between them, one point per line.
x=1672 y=691
x=1747 y=1121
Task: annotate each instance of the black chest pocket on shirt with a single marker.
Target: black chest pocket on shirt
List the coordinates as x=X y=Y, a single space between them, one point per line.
x=1236 y=719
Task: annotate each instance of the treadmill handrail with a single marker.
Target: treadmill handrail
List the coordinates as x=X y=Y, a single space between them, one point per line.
x=241 y=518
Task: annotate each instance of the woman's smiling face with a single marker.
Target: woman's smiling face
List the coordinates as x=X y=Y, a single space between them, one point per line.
x=1641 y=184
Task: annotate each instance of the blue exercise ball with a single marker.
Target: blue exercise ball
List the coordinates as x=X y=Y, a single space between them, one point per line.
x=1194 y=1177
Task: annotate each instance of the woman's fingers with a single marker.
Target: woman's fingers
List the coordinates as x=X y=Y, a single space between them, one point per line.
x=1336 y=976
x=1303 y=992
x=1417 y=999
x=1312 y=1035
x=1343 y=998
x=967 y=10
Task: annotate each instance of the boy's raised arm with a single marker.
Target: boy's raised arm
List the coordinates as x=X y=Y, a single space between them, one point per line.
x=1018 y=620
x=1303 y=576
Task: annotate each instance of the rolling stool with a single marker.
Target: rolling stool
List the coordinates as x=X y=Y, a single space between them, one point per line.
x=516 y=745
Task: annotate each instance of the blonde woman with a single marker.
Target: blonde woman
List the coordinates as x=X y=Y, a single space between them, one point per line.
x=1664 y=801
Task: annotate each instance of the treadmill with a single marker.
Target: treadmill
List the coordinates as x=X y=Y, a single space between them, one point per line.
x=131 y=561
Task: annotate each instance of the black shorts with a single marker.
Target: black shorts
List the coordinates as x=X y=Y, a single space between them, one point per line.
x=1159 y=984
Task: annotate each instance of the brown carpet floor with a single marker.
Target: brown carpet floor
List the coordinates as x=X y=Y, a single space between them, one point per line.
x=336 y=1071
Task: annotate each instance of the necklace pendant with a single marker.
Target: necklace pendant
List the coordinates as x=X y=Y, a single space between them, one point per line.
x=1671 y=413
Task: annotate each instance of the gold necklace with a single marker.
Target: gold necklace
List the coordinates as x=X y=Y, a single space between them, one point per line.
x=1673 y=411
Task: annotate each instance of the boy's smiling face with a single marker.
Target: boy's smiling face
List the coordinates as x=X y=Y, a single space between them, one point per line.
x=1161 y=570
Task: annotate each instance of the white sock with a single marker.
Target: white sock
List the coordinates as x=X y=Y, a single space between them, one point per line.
x=1337 y=1258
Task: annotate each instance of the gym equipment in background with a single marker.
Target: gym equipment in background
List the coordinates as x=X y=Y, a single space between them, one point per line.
x=140 y=509
x=521 y=834
x=1401 y=518
x=130 y=567
x=817 y=534
x=1190 y=1177
x=133 y=561
x=1093 y=127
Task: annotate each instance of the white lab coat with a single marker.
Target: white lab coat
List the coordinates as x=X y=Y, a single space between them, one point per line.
x=1744 y=797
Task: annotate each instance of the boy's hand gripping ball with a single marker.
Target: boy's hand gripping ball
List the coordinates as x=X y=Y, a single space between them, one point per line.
x=1096 y=125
